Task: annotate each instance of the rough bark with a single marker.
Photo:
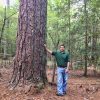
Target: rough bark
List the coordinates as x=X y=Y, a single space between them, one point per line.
x=30 y=57
x=40 y=10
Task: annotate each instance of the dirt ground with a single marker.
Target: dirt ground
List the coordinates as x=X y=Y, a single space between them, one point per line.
x=79 y=88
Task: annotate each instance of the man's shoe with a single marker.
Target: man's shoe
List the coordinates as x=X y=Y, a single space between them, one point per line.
x=60 y=94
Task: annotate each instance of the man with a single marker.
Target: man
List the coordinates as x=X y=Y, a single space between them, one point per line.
x=62 y=59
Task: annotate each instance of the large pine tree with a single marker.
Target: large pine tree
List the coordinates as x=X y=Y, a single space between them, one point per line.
x=30 y=58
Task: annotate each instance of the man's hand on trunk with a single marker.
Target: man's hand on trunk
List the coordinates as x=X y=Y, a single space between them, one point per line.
x=49 y=51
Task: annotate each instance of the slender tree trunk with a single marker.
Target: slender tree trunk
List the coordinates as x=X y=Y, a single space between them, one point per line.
x=56 y=47
x=86 y=44
x=54 y=69
x=70 y=36
x=7 y=24
x=5 y=50
x=69 y=26
x=3 y=26
x=8 y=7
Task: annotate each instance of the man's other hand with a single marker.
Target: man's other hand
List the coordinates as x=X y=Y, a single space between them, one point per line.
x=67 y=70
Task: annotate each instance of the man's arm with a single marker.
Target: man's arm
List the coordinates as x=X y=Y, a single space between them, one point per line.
x=49 y=51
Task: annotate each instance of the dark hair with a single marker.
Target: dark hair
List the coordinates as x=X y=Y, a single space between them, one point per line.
x=62 y=45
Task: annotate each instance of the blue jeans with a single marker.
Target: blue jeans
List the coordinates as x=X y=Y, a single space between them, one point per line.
x=62 y=78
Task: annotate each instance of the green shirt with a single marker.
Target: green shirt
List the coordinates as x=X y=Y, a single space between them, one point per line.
x=62 y=58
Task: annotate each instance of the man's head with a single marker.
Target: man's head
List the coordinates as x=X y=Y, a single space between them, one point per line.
x=62 y=47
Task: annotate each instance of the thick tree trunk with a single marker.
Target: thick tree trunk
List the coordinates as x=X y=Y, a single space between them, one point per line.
x=39 y=58
x=30 y=58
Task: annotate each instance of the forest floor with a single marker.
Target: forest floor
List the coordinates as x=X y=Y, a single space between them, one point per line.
x=79 y=88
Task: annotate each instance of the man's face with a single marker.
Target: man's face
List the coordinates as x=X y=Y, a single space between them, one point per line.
x=62 y=48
